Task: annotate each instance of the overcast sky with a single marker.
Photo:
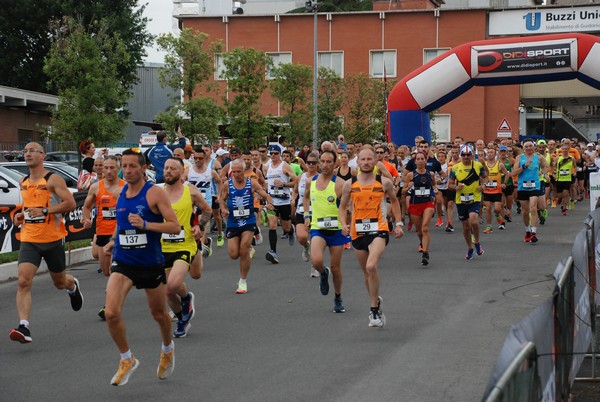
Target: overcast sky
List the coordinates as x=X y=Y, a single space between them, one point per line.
x=160 y=14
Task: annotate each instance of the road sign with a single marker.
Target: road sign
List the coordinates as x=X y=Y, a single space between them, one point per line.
x=504 y=130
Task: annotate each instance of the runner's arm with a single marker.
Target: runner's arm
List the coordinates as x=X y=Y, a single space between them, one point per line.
x=157 y=200
x=88 y=204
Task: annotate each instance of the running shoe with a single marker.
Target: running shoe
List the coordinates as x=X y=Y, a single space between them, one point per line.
x=187 y=307
x=166 y=364
x=76 y=297
x=534 y=238
x=469 y=255
x=272 y=257
x=420 y=247
x=242 y=288
x=324 y=283
x=499 y=219
x=263 y=218
x=425 y=259
x=102 y=314
x=572 y=204
x=439 y=222
x=252 y=252
x=258 y=239
x=284 y=236
x=542 y=216
x=564 y=212
x=207 y=247
x=449 y=228
x=338 y=305
x=306 y=253
x=314 y=273
x=409 y=227
x=220 y=240
x=291 y=237
x=479 y=249
x=502 y=226
x=518 y=207
x=173 y=316
x=182 y=328
x=376 y=317
x=125 y=370
x=553 y=203
x=347 y=246
x=527 y=238
x=507 y=218
x=488 y=229
x=21 y=334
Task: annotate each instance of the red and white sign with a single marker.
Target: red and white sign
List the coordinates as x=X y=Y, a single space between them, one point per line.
x=504 y=130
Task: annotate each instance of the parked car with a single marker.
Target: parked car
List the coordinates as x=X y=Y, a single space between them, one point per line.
x=69 y=173
x=71 y=158
x=10 y=193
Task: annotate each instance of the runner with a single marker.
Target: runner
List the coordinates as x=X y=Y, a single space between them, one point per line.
x=300 y=184
x=422 y=201
x=45 y=198
x=509 y=187
x=368 y=227
x=280 y=178
x=143 y=213
x=565 y=167
x=323 y=196
x=492 y=193
x=468 y=179
x=103 y=195
x=528 y=167
x=179 y=250
x=214 y=163
x=237 y=205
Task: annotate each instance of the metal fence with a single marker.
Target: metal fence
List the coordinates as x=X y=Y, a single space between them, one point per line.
x=542 y=353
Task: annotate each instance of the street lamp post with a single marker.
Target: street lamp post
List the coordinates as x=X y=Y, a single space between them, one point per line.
x=312 y=6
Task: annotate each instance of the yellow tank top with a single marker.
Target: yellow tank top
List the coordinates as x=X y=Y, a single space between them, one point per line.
x=184 y=240
x=494 y=184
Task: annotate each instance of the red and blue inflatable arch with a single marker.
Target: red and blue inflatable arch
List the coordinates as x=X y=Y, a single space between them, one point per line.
x=488 y=62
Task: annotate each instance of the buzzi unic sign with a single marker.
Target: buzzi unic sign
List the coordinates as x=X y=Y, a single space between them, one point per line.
x=544 y=20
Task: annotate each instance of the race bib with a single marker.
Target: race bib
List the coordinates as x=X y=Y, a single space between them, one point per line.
x=579 y=169
x=422 y=192
x=174 y=238
x=300 y=209
x=467 y=198
x=241 y=213
x=37 y=219
x=529 y=184
x=564 y=172
x=331 y=222
x=133 y=239
x=366 y=226
x=109 y=213
x=276 y=191
x=491 y=184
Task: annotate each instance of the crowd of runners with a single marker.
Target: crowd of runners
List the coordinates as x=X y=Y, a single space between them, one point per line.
x=341 y=196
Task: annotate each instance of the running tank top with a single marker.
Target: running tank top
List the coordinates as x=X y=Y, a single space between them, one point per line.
x=422 y=188
x=494 y=184
x=213 y=184
x=564 y=168
x=203 y=181
x=137 y=247
x=529 y=178
x=184 y=240
x=369 y=208
x=41 y=229
x=301 y=191
x=280 y=195
x=106 y=210
x=346 y=176
x=241 y=205
x=325 y=206
x=508 y=166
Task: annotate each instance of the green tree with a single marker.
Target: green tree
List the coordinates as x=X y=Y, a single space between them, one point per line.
x=292 y=86
x=245 y=71
x=189 y=63
x=330 y=101
x=339 y=6
x=28 y=28
x=91 y=93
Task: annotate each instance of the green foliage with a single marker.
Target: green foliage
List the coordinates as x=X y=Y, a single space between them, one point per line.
x=329 y=104
x=245 y=71
x=201 y=124
x=292 y=86
x=82 y=67
x=27 y=31
x=330 y=6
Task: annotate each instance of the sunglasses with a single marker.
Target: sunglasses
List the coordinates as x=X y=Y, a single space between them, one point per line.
x=274 y=153
x=135 y=150
x=311 y=162
x=263 y=152
x=469 y=154
x=379 y=152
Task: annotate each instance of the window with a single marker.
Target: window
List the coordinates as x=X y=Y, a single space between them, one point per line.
x=440 y=127
x=333 y=61
x=383 y=61
x=430 y=54
x=219 y=68
x=278 y=59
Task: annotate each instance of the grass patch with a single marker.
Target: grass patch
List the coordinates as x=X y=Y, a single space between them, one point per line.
x=14 y=255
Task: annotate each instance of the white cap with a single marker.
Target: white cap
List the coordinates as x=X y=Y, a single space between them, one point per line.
x=590 y=144
x=221 y=152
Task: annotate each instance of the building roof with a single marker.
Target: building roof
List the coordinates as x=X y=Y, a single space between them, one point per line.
x=20 y=98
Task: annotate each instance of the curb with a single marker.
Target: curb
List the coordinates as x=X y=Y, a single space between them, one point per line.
x=9 y=271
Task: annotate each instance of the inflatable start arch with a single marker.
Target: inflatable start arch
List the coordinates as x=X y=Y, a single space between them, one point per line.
x=488 y=62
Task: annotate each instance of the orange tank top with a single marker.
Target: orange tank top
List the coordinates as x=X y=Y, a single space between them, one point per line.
x=106 y=210
x=41 y=229
x=369 y=208
x=254 y=176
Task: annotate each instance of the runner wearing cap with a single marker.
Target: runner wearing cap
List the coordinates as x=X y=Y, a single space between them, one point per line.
x=544 y=183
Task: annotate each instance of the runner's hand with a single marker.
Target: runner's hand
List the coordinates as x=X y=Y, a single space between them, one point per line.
x=398 y=232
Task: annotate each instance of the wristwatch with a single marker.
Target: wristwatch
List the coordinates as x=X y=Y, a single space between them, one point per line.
x=45 y=211
x=401 y=224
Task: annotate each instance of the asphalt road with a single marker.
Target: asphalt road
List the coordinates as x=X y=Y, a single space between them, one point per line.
x=445 y=326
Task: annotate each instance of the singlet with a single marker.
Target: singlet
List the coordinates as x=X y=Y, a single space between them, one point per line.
x=529 y=178
x=444 y=184
x=241 y=205
x=369 y=208
x=202 y=181
x=508 y=166
x=280 y=195
x=213 y=183
x=137 y=247
x=106 y=210
x=346 y=176
x=301 y=192
x=41 y=229
x=422 y=190
x=253 y=175
x=469 y=177
x=564 y=168
x=494 y=184
x=325 y=206
x=184 y=240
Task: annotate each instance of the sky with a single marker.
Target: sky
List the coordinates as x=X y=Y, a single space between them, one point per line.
x=160 y=12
